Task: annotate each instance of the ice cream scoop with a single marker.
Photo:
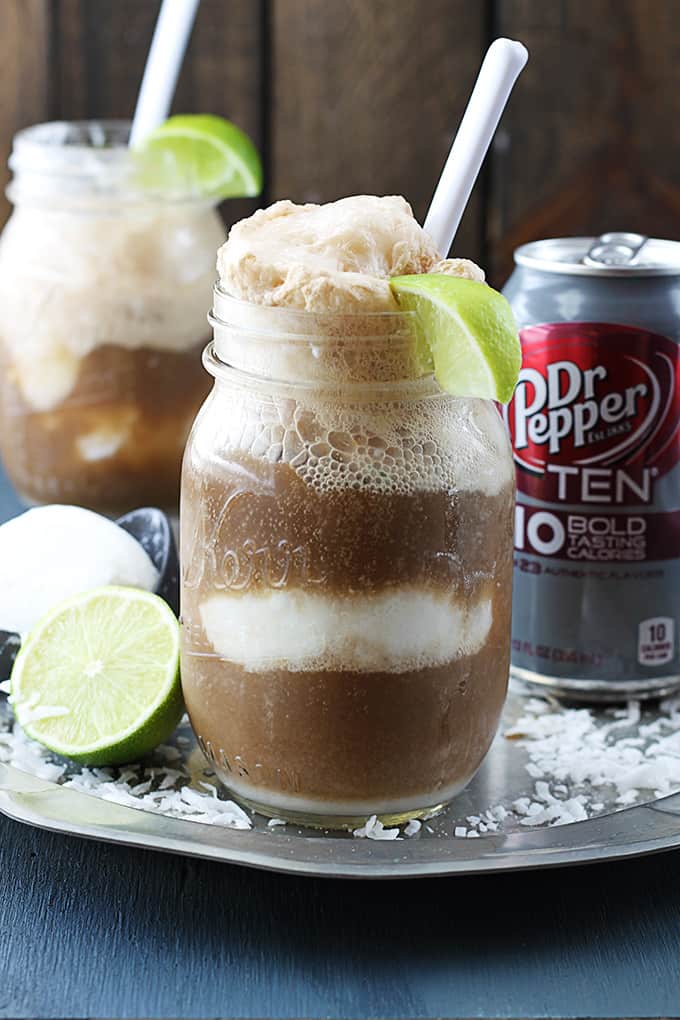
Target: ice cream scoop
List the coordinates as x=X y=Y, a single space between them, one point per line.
x=54 y=567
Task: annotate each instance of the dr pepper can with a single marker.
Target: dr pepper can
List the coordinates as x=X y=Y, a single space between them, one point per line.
x=595 y=428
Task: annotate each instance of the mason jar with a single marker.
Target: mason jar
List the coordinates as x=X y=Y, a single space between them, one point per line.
x=103 y=289
x=346 y=541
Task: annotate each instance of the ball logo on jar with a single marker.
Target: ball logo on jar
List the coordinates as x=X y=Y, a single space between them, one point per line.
x=595 y=415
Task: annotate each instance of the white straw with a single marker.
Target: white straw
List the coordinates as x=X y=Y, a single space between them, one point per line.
x=163 y=64
x=499 y=72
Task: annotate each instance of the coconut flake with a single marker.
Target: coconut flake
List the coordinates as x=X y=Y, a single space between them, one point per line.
x=373 y=828
x=170 y=779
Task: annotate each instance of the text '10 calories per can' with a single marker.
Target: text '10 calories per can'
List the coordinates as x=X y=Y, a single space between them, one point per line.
x=595 y=428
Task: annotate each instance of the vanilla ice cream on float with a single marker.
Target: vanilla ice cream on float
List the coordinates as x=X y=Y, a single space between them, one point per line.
x=346 y=529
x=330 y=258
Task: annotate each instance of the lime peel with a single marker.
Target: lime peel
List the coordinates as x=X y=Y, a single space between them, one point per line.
x=466 y=330
x=97 y=679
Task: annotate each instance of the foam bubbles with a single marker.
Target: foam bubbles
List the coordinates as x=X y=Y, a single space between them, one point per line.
x=392 y=447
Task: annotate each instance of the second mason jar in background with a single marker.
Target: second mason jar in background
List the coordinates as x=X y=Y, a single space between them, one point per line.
x=103 y=292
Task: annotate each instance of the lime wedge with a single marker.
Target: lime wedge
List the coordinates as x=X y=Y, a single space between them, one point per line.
x=97 y=679
x=199 y=156
x=468 y=330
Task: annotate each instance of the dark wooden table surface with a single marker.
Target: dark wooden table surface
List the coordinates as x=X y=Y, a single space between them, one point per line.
x=91 y=930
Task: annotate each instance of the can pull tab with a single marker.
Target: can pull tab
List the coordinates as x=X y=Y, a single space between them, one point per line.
x=616 y=249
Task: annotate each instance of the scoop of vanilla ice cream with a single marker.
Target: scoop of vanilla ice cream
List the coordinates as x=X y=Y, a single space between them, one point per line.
x=336 y=257
x=52 y=552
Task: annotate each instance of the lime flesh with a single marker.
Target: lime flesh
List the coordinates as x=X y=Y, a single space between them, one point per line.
x=468 y=331
x=97 y=679
x=199 y=156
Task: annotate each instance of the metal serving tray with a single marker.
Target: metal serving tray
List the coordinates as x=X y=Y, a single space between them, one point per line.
x=615 y=833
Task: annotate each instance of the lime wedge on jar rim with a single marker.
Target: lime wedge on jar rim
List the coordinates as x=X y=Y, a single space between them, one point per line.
x=97 y=679
x=199 y=156
x=467 y=331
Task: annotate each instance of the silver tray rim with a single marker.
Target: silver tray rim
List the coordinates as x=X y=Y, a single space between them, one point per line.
x=631 y=832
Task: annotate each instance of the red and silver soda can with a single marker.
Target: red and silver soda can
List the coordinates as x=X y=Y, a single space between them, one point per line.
x=595 y=428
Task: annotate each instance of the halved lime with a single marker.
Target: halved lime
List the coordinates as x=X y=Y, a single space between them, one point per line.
x=199 y=156
x=97 y=679
x=469 y=331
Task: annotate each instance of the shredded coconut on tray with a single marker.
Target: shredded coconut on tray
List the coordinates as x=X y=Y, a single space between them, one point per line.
x=159 y=787
x=374 y=829
x=581 y=762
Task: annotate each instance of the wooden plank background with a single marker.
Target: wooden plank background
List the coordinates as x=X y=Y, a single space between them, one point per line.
x=365 y=95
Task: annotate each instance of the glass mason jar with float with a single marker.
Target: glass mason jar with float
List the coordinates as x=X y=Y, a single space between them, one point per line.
x=347 y=555
x=103 y=290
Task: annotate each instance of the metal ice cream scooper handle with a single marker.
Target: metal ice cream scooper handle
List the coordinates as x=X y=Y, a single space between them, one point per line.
x=151 y=527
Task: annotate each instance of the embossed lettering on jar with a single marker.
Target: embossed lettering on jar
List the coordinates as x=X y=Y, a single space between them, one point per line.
x=346 y=541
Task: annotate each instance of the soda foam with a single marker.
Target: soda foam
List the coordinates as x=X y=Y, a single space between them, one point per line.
x=431 y=445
